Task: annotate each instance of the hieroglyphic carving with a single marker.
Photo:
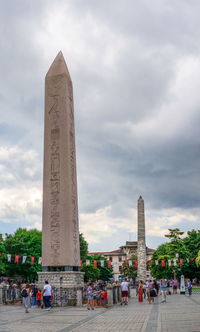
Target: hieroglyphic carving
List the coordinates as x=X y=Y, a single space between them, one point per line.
x=73 y=179
x=53 y=93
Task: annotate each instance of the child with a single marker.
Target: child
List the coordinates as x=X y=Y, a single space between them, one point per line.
x=39 y=298
x=104 y=296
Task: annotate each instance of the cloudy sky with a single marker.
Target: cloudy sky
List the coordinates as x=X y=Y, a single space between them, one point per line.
x=135 y=67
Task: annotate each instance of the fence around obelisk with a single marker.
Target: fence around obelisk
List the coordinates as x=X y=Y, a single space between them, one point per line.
x=141 y=245
x=60 y=228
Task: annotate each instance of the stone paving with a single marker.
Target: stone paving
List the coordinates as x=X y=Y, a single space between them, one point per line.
x=179 y=313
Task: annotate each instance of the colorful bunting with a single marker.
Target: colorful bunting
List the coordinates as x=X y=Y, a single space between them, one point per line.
x=16 y=260
x=24 y=259
x=109 y=263
x=163 y=262
x=9 y=257
x=87 y=262
x=102 y=263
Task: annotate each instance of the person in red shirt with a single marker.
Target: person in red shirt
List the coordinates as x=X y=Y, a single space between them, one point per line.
x=39 y=298
x=104 y=295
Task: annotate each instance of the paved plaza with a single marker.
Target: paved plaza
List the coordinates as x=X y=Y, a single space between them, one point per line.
x=180 y=313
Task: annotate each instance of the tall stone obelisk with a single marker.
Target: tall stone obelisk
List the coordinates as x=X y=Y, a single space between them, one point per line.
x=60 y=229
x=141 y=246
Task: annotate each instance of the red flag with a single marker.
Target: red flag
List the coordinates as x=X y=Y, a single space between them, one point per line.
x=95 y=263
x=1 y=254
x=149 y=262
x=163 y=263
x=16 y=260
x=32 y=259
x=192 y=259
x=136 y=263
x=109 y=263
x=181 y=261
x=81 y=262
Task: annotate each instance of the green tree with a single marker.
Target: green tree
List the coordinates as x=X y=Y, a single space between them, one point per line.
x=129 y=271
x=105 y=273
x=2 y=256
x=185 y=248
x=83 y=247
x=91 y=272
x=24 y=243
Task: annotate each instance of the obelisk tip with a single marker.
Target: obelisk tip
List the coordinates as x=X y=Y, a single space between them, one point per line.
x=58 y=66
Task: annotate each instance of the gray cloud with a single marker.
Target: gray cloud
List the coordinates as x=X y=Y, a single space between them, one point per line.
x=135 y=70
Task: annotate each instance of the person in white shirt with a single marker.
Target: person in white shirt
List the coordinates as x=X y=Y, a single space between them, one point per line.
x=124 y=289
x=47 y=290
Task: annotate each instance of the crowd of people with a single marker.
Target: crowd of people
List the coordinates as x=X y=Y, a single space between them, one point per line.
x=96 y=293
x=152 y=288
x=35 y=297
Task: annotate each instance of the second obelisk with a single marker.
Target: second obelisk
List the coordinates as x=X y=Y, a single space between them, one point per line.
x=141 y=246
x=60 y=230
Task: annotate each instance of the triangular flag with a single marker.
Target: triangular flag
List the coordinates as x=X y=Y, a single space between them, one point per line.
x=163 y=262
x=130 y=263
x=181 y=261
x=156 y=262
x=32 y=259
x=87 y=262
x=169 y=262
x=40 y=260
x=16 y=260
x=24 y=259
x=9 y=257
x=174 y=260
x=136 y=263
x=109 y=263
x=102 y=263
x=95 y=263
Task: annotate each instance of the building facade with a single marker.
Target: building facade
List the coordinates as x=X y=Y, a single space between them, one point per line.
x=124 y=253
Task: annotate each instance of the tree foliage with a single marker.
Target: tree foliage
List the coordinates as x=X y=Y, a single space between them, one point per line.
x=185 y=248
x=129 y=271
x=83 y=247
x=104 y=273
x=26 y=243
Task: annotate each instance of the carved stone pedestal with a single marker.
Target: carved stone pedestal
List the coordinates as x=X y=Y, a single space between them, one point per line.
x=67 y=286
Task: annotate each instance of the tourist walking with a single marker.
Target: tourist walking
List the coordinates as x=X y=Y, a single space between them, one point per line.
x=124 y=290
x=33 y=296
x=47 y=290
x=152 y=294
x=90 y=297
x=174 y=286
x=140 y=291
x=26 y=296
x=189 y=287
x=163 y=289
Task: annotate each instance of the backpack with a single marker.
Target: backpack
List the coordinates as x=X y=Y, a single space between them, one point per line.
x=24 y=293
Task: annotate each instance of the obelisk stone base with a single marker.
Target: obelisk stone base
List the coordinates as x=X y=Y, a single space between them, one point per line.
x=67 y=286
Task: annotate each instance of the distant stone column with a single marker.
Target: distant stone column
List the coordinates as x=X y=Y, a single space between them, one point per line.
x=141 y=245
